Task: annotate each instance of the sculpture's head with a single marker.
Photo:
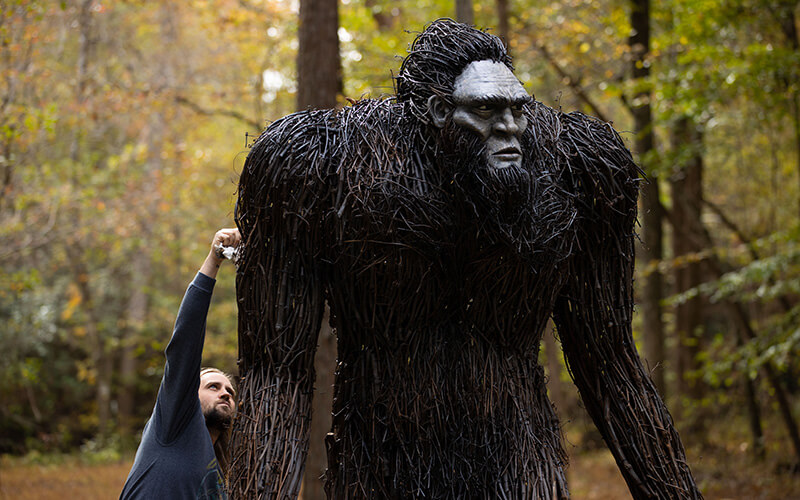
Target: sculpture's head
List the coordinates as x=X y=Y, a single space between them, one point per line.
x=457 y=75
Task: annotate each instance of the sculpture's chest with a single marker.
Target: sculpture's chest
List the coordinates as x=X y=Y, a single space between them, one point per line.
x=384 y=283
x=410 y=251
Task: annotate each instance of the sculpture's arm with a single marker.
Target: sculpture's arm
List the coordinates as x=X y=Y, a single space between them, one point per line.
x=280 y=302
x=593 y=317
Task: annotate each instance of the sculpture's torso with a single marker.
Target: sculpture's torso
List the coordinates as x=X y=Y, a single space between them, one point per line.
x=438 y=388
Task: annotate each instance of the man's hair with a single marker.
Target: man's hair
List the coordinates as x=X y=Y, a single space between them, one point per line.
x=222 y=446
x=209 y=369
x=438 y=56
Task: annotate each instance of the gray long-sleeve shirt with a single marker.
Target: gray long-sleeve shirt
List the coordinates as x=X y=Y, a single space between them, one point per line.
x=176 y=458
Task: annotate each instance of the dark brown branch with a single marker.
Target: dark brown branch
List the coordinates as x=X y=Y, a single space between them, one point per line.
x=252 y=8
x=574 y=83
x=727 y=222
x=218 y=112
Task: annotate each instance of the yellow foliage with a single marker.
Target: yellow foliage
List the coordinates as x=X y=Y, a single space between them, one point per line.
x=74 y=300
x=86 y=373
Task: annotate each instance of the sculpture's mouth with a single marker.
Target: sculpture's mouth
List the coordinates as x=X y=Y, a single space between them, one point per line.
x=508 y=154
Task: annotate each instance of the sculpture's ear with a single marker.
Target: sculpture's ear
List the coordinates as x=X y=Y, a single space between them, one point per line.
x=438 y=110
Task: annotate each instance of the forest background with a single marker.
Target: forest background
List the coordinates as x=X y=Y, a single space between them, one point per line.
x=124 y=124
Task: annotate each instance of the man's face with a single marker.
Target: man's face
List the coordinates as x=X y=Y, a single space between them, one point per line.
x=216 y=397
x=489 y=101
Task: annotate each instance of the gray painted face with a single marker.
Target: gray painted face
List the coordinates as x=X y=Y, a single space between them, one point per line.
x=489 y=101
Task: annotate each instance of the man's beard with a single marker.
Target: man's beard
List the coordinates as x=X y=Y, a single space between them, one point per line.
x=216 y=419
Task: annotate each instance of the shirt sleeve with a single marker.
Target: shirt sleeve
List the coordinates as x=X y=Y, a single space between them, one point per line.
x=177 y=398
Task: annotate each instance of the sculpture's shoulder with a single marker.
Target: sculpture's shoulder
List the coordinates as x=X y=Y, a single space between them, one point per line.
x=598 y=166
x=336 y=165
x=316 y=142
x=294 y=147
x=287 y=174
x=380 y=134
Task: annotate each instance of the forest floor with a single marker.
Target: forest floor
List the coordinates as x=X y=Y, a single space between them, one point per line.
x=722 y=474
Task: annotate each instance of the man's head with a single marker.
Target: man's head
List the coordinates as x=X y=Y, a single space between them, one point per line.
x=217 y=398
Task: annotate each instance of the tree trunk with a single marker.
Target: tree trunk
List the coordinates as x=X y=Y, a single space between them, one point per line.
x=319 y=81
x=319 y=77
x=85 y=48
x=555 y=387
x=136 y=316
x=687 y=202
x=754 y=415
x=324 y=365
x=652 y=229
x=785 y=14
x=464 y=12
x=502 y=23
x=155 y=135
x=100 y=355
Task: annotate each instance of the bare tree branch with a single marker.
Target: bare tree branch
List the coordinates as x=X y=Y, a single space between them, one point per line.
x=252 y=8
x=218 y=112
x=727 y=222
x=574 y=83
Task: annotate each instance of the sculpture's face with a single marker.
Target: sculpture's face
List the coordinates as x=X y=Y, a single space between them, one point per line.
x=489 y=101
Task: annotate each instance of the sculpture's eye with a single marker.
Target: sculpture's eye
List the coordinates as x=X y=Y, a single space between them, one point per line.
x=484 y=108
x=517 y=109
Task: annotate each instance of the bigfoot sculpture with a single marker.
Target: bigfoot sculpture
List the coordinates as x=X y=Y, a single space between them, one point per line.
x=444 y=228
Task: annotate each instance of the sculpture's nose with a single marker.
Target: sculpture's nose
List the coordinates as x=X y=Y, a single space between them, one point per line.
x=505 y=123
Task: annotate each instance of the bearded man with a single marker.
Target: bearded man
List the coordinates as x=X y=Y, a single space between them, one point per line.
x=184 y=449
x=444 y=228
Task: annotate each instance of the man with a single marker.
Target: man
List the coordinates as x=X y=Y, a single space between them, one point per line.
x=443 y=229
x=183 y=451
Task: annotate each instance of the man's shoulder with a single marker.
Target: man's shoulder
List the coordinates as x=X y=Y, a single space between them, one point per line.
x=182 y=467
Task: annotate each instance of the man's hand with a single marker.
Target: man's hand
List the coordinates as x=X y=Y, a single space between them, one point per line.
x=228 y=237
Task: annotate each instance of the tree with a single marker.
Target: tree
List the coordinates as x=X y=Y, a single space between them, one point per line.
x=651 y=213
x=319 y=78
x=464 y=12
x=686 y=184
x=111 y=187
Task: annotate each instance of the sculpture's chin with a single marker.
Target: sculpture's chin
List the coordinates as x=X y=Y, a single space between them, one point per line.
x=491 y=182
x=495 y=163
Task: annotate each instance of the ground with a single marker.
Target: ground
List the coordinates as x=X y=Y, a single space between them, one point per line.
x=723 y=474
x=66 y=480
